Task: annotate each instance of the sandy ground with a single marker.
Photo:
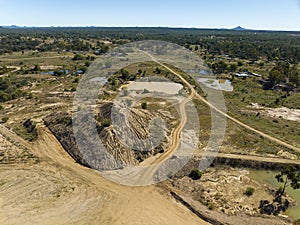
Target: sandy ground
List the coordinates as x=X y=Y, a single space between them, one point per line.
x=49 y=67
x=282 y=112
x=164 y=87
x=56 y=190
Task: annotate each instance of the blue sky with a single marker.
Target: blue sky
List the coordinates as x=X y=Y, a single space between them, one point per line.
x=254 y=14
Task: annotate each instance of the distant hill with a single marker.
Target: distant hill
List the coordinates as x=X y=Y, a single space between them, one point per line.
x=13 y=27
x=239 y=28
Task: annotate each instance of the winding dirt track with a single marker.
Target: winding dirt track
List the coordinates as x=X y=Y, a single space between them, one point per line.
x=177 y=132
x=193 y=91
x=57 y=190
x=149 y=175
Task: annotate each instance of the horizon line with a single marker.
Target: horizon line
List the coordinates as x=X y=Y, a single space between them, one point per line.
x=144 y=26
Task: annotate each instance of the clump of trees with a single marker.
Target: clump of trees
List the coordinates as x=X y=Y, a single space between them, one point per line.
x=251 y=45
x=119 y=78
x=223 y=67
x=125 y=75
x=14 y=41
x=285 y=74
x=289 y=176
x=11 y=88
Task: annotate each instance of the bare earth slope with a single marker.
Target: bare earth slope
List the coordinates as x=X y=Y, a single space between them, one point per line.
x=56 y=190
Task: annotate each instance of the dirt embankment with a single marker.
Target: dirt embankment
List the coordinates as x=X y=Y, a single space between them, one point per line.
x=61 y=125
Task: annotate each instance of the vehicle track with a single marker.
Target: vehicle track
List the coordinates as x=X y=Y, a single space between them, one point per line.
x=273 y=139
x=149 y=175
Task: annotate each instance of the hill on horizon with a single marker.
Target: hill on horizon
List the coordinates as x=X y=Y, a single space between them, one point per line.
x=239 y=28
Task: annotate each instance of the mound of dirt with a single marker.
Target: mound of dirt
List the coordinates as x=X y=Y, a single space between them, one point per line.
x=60 y=125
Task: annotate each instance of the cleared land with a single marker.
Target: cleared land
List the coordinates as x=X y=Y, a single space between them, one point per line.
x=57 y=190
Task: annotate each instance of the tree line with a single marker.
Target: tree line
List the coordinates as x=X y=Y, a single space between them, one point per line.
x=252 y=45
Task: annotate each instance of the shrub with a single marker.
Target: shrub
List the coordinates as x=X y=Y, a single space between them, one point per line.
x=4 y=119
x=240 y=63
x=195 y=174
x=211 y=206
x=17 y=94
x=4 y=96
x=78 y=57
x=144 y=105
x=36 y=68
x=106 y=122
x=87 y=64
x=249 y=191
x=139 y=157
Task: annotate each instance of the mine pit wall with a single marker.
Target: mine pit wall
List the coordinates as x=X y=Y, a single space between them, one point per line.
x=233 y=162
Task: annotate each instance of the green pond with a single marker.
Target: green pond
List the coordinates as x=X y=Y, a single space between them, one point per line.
x=268 y=177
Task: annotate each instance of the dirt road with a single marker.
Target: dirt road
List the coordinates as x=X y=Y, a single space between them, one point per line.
x=273 y=139
x=154 y=165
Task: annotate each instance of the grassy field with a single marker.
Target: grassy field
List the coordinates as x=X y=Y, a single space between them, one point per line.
x=249 y=91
